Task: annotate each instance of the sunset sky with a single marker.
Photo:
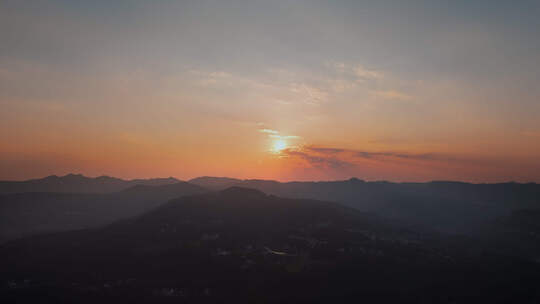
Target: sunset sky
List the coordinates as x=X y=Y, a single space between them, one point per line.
x=286 y=90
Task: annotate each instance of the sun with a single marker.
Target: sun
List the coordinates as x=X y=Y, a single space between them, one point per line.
x=278 y=145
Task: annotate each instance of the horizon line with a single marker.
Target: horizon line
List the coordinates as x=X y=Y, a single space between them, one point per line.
x=272 y=180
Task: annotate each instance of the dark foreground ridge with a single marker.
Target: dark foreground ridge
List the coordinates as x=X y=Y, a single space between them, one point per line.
x=241 y=245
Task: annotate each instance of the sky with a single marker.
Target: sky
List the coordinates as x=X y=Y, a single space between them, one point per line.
x=285 y=90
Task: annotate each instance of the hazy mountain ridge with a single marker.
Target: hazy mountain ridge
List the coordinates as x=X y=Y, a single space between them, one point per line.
x=23 y=214
x=447 y=206
x=79 y=183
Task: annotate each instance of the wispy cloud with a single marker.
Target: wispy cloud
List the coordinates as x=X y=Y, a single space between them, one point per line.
x=358 y=79
x=274 y=134
x=324 y=150
x=277 y=85
x=427 y=156
x=394 y=165
x=268 y=131
x=289 y=87
x=284 y=136
x=352 y=156
x=322 y=162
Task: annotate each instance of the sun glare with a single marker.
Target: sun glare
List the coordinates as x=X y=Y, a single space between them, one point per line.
x=279 y=145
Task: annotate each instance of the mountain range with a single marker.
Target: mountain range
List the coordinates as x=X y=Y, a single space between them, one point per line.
x=79 y=183
x=214 y=240
x=75 y=201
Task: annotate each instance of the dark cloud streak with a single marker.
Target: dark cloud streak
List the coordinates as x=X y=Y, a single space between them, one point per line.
x=380 y=154
x=339 y=158
x=319 y=161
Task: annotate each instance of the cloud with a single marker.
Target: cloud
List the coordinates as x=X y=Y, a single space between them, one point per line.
x=269 y=131
x=352 y=154
x=284 y=136
x=322 y=162
x=326 y=150
x=269 y=85
x=377 y=165
x=289 y=87
x=365 y=154
x=274 y=134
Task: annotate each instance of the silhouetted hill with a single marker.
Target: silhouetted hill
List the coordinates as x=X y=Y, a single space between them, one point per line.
x=236 y=206
x=241 y=245
x=448 y=206
x=31 y=213
x=79 y=184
